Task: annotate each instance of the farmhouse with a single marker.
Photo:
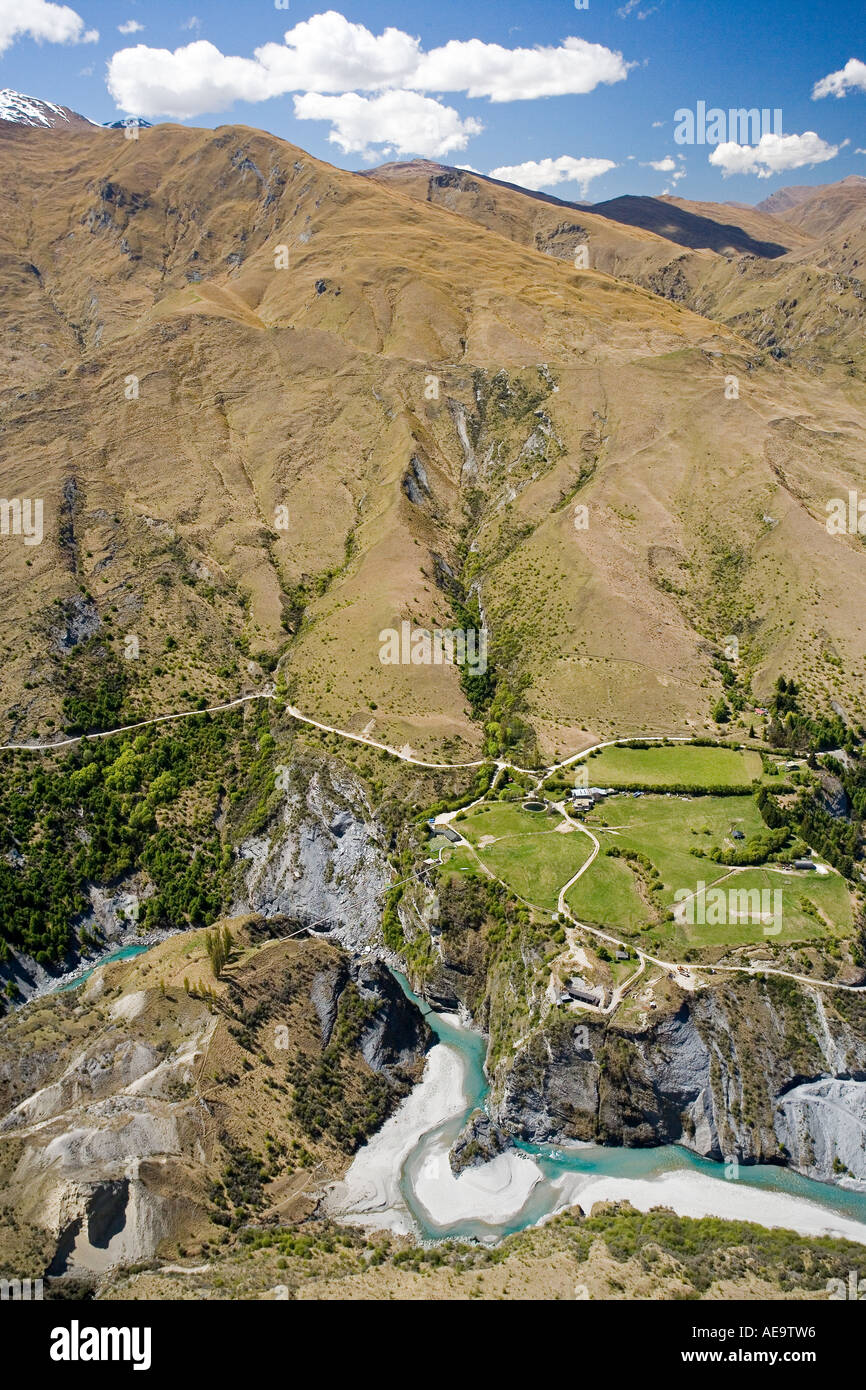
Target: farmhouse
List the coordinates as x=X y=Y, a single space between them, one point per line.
x=587 y=797
x=445 y=830
x=584 y=993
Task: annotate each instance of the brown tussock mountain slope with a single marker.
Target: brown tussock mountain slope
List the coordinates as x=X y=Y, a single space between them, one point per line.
x=792 y=285
x=308 y=389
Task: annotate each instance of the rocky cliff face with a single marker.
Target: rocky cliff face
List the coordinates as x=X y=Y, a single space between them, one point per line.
x=321 y=863
x=394 y=1034
x=98 y=1164
x=764 y=1071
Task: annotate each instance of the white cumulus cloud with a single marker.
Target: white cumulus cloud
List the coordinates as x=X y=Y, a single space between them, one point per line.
x=44 y=22
x=547 y=173
x=664 y=166
x=193 y=79
x=773 y=154
x=850 y=78
x=327 y=54
x=518 y=74
x=131 y=26
x=402 y=122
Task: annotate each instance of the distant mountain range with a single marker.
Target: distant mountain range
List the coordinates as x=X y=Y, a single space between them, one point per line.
x=19 y=109
x=784 y=199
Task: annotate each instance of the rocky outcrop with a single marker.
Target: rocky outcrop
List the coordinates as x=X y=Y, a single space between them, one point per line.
x=760 y=1070
x=125 y=1120
x=478 y=1142
x=593 y=1082
x=670 y=282
x=325 y=993
x=834 y=798
x=320 y=864
x=822 y=1126
x=394 y=1035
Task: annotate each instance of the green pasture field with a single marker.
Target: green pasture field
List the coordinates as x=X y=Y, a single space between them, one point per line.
x=684 y=764
x=665 y=829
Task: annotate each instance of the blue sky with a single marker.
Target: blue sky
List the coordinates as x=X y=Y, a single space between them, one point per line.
x=347 y=94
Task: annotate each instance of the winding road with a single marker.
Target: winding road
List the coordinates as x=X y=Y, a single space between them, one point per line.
x=406 y=755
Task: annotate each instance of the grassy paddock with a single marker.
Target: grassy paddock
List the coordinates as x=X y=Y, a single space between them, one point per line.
x=665 y=830
x=526 y=850
x=677 y=764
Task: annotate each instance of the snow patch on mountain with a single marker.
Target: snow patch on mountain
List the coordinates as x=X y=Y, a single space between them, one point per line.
x=24 y=110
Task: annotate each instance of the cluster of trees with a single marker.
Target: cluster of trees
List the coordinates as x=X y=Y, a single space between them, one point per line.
x=708 y=1248
x=392 y=928
x=104 y=810
x=97 y=689
x=479 y=687
x=335 y=1099
x=452 y=803
x=836 y=839
x=789 y=726
x=242 y=1185
x=218 y=943
x=643 y=866
x=767 y=845
x=506 y=730
x=734 y=692
x=689 y=789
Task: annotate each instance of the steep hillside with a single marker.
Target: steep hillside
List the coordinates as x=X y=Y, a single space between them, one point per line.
x=128 y=1128
x=787 y=202
x=244 y=464
x=792 y=288
x=698 y=225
